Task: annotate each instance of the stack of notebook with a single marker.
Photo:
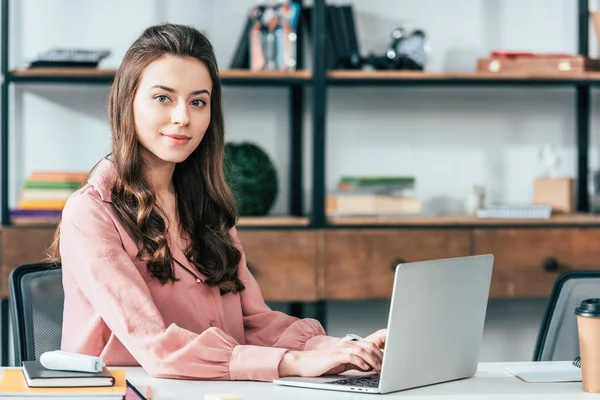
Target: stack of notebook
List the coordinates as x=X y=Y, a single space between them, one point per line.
x=33 y=381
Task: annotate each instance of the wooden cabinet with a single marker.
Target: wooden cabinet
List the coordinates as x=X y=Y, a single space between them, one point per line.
x=284 y=262
x=360 y=264
x=528 y=260
x=22 y=246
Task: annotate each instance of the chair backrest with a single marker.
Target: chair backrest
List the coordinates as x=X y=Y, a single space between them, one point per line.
x=36 y=307
x=558 y=336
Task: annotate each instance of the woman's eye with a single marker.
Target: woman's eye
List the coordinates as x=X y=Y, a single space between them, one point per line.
x=198 y=103
x=161 y=98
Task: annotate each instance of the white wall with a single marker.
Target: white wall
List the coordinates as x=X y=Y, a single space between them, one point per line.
x=449 y=138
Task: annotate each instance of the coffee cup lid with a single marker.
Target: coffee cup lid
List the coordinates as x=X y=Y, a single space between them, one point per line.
x=589 y=308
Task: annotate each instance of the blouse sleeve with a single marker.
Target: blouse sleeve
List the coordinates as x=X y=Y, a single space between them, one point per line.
x=92 y=253
x=265 y=327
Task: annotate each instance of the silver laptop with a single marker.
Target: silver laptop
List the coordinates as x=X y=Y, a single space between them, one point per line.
x=435 y=326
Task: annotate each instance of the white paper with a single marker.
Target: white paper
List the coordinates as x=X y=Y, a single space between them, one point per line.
x=546 y=372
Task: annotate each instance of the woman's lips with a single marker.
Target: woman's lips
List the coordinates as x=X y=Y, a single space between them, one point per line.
x=178 y=139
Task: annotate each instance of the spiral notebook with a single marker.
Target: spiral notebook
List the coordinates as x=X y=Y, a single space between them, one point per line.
x=546 y=372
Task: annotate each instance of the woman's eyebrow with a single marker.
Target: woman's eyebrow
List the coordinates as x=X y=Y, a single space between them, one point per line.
x=171 y=90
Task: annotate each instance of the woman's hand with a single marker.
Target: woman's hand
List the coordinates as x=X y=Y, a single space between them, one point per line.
x=361 y=355
x=378 y=338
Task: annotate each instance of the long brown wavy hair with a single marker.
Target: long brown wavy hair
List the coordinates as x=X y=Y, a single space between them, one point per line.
x=205 y=204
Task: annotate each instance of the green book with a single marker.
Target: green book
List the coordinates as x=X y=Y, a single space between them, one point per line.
x=377 y=180
x=51 y=185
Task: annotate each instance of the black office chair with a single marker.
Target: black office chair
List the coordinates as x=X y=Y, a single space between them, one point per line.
x=36 y=307
x=558 y=338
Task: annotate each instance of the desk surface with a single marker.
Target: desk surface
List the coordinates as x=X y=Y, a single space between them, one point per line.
x=490 y=382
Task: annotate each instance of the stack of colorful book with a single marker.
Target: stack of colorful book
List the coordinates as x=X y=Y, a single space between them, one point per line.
x=373 y=196
x=44 y=196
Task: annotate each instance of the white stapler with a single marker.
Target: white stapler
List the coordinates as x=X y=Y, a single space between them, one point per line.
x=61 y=360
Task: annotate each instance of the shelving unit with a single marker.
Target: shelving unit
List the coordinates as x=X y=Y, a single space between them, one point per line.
x=320 y=80
x=323 y=79
x=293 y=81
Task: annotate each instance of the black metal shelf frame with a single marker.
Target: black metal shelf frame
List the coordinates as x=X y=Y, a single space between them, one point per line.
x=296 y=112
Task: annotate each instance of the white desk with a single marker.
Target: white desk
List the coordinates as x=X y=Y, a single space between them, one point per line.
x=490 y=382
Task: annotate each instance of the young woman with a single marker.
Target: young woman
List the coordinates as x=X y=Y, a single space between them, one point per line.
x=153 y=271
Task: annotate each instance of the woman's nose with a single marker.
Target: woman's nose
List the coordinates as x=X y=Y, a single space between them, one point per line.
x=180 y=115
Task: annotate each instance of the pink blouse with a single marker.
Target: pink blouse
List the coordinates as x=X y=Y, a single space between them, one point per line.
x=115 y=310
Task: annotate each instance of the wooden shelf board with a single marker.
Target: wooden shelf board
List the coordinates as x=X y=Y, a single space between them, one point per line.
x=432 y=76
x=246 y=74
x=446 y=220
x=51 y=72
x=336 y=75
x=272 y=221
x=458 y=220
x=242 y=221
x=91 y=72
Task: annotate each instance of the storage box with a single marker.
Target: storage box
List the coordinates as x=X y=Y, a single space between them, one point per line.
x=538 y=64
x=556 y=192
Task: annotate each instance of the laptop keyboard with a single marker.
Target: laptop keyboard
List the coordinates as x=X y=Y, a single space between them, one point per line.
x=367 y=381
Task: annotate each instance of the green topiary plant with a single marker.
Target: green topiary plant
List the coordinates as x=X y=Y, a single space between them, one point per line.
x=252 y=177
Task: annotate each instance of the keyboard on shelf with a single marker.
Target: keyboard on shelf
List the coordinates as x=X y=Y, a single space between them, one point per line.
x=367 y=381
x=70 y=58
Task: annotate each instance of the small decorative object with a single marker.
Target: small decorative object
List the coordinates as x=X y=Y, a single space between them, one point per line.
x=273 y=37
x=550 y=161
x=252 y=177
x=499 y=62
x=407 y=50
x=475 y=200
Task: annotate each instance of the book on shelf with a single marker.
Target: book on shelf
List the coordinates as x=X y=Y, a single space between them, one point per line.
x=366 y=182
x=46 y=194
x=58 y=176
x=32 y=184
x=42 y=204
x=34 y=217
x=357 y=204
x=516 y=211
x=383 y=185
x=341 y=43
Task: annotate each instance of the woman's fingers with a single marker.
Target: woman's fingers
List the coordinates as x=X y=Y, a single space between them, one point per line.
x=366 y=357
x=378 y=338
x=371 y=349
x=359 y=362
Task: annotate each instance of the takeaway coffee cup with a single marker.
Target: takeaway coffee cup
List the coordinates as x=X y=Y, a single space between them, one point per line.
x=588 y=325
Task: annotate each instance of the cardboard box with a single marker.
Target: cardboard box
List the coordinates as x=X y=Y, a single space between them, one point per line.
x=556 y=192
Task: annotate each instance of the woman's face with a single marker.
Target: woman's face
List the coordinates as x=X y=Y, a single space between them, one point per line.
x=171 y=108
